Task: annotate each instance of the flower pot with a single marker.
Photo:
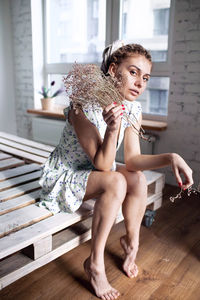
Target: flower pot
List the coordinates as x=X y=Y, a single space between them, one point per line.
x=47 y=103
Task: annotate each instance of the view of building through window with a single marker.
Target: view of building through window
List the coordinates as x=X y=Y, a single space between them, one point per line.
x=76 y=31
x=147 y=24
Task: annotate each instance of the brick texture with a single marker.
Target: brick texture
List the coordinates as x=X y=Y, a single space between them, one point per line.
x=22 y=44
x=183 y=134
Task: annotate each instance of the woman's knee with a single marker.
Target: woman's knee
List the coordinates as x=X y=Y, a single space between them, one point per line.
x=116 y=184
x=136 y=181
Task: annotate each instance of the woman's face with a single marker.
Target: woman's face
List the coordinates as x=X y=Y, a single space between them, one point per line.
x=135 y=73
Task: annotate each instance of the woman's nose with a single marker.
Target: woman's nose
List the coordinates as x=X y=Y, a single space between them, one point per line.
x=139 y=82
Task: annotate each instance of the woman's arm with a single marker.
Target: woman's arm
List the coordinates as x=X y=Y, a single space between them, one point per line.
x=101 y=153
x=135 y=161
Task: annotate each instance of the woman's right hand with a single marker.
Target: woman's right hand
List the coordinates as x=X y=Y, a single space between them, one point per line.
x=112 y=115
x=179 y=167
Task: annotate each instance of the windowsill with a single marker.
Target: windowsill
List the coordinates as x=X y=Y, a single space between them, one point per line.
x=58 y=114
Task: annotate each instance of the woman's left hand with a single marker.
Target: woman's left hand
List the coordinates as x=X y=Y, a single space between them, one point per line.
x=180 y=166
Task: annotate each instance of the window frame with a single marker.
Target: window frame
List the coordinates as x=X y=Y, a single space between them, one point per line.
x=113 y=18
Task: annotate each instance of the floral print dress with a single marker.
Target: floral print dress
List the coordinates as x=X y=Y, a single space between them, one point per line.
x=66 y=171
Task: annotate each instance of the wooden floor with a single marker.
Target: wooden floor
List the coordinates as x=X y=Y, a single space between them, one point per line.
x=168 y=260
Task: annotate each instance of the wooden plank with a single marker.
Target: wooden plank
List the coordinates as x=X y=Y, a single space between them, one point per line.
x=28 y=266
x=152 y=176
x=146 y=124
x=63 y=242
x=4 y=155
x=153 y=197
x=6 y=174
x=19 y=202
x=22 y=218
x=46 y=113
x=18 y=191
x=154 y=125
x=185 y=278
x=39 y=248
x=27 y=236
x=20 y=179
x=10 y=163
x=23 y=154
x=24 y=141
x=25 y=148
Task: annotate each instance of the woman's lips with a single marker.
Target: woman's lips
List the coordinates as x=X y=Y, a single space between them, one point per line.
x=134 y=92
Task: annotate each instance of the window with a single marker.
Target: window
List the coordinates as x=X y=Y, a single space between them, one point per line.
x=75 y=30
x=79 y=30
x=147 y=23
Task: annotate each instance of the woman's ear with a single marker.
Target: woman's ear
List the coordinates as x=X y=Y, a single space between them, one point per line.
x=112 y=69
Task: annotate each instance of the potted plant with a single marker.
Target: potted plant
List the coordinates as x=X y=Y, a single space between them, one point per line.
x=47 y=100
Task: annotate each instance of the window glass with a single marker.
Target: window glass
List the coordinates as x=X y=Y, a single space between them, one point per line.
x=75 y=30
x=62 y=98
x=146 y=22
x=155 y=99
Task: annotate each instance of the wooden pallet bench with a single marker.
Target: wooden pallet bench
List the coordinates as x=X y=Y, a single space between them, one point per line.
x=30 y=236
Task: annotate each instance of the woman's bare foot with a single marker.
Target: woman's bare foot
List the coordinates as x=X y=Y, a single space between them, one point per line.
x=99 y=282
x=129 y=266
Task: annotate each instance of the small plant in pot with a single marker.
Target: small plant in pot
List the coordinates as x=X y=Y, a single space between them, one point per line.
x=47 y=100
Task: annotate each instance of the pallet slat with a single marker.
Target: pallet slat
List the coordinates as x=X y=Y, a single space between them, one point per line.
x=21 y=201
x=26 y=265
x=22 y=218
x=23 y=154
x=20 y=179
x=18 y=191
x=24 y=141
x=10 y=163
x=4 y=155
x=6 y=174
x=27 y=236
x=25 y=148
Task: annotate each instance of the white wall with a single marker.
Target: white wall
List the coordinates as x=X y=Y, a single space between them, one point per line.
x=23 y=63
x=7 y=99
x=183 y=133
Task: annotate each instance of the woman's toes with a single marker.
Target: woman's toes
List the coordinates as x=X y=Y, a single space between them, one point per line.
x=115 y=295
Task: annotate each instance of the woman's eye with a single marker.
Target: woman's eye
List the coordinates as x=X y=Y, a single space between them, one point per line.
x=146 y=79
x=133 y=72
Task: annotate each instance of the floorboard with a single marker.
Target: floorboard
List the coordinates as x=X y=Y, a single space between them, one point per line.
x=168 y=260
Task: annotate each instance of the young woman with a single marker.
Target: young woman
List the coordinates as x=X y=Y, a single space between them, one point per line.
x=83 y=165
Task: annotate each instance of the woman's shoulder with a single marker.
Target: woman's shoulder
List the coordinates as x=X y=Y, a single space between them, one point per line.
x=133 y=104
x=134 y=107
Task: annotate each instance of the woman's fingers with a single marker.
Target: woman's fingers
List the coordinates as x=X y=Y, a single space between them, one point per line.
x=178 y=177
x=188 y=179
x=112 y=112
x=180 y=166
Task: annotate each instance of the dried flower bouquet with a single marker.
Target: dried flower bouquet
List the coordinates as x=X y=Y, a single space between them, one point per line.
x=87 y=86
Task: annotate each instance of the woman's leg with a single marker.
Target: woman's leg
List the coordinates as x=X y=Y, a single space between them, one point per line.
x=110 y=188
x=133 y=209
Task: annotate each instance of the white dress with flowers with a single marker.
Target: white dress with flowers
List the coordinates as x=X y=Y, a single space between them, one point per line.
x=66 y=171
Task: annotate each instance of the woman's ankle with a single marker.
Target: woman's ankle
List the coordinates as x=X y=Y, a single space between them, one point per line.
x=96 y=263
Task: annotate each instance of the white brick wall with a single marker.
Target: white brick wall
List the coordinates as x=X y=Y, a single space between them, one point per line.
x=183 y=134
x=22 y=43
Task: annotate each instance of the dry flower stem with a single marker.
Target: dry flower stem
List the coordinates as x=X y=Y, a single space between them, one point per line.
x=190 y=191
x=87 y=86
